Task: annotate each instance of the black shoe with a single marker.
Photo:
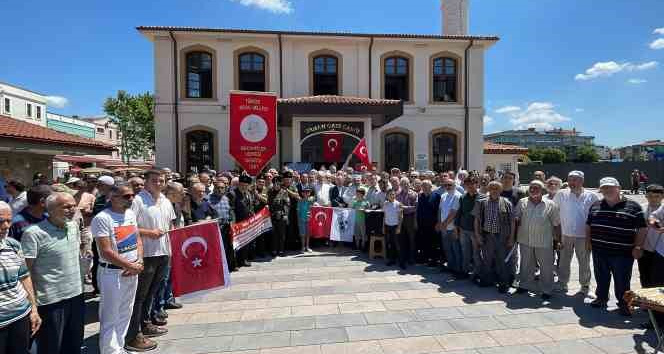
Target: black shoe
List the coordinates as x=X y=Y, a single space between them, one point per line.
x=172 y=305
x=521 y=290
x=598 y=304
x=503 y=289
x=159 y=321
x=151 y=331
x=546 y=297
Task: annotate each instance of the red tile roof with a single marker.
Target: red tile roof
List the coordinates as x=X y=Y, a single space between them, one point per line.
x=494 y=149
x=338 y=100
x=16 y=129
x=313 y=33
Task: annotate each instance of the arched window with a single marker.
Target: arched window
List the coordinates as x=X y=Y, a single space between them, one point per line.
x=200 y=150
x=251 y=72
x=397 y=78
x=199 y=75
x=397 y=151
x=326 y=75
x=444 y=154
x=444 y=79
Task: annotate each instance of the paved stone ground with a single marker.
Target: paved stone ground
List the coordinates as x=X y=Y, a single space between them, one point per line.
x=336 y=301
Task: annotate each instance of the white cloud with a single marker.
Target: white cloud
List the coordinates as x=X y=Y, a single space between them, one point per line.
x=657 y=44
x=57 y=101
x=658 y=31
x=508 y=109
x=579 y=110
x=538 y=115
x=637 y=81
x=275 y=6
x=488 y=120
x=610 y=68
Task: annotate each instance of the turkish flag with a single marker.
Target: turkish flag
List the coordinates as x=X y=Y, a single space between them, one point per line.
x=332 y=147
x=362 y=152
x=198 y=260
x=320 y=222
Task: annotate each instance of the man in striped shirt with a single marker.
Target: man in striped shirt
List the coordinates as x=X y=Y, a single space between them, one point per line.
x=19 y=317
x=616 y=231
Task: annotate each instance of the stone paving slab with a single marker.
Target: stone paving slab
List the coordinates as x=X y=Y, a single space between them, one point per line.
x=336 y=301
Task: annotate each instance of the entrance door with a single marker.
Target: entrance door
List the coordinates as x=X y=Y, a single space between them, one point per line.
x=200 y=150
x=312 y=149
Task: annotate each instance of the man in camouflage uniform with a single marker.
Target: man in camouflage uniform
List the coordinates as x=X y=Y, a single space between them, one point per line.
x=279 y=201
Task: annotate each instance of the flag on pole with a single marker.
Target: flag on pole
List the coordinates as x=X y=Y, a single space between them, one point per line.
x=198 y=260
x=362 y=152
x=332 y=143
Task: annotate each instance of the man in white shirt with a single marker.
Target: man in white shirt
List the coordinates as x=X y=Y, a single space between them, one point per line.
x=449 y=205
x=154 y=216
x=120 y=261
x=574 y=204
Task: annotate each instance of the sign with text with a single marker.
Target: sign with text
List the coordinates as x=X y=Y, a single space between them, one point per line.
x=253 y=123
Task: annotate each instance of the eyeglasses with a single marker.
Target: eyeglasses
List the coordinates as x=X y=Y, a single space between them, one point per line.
x=448 y=185
x=5 y=220
x=127 y=196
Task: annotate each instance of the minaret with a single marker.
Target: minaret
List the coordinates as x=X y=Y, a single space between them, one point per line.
x=455 y=17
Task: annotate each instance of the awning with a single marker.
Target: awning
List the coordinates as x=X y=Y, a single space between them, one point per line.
x=381 y=111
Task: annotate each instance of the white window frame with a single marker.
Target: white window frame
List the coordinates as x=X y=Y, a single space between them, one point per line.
x=7 y=102
x=38 y=112
x=28 y=109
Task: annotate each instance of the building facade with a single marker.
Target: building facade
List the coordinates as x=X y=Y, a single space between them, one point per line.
x=22 y=104
x=418 y=100
x=650 y=150
x=568 y=141
x=503 y=157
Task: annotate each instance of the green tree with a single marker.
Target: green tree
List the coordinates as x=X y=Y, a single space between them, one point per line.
x=586 y=154
x=547 y=155
x=134 y=116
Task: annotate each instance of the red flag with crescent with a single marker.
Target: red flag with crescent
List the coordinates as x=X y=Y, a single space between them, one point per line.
x=362 y=152
x=320 y=222
x=332 y=143
x=198 y=260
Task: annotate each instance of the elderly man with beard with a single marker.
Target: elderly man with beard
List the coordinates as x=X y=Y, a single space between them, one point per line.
x=120 y=261
x=537 y=228
x=616 y=232
x=52 y=253
x=19 y=318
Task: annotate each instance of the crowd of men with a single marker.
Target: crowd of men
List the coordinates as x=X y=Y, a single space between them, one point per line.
x=112 y=232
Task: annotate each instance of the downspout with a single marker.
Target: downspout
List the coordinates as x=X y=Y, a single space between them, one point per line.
x=466 y=107
x=371 y=42
x=175 y=101
x=281 y=91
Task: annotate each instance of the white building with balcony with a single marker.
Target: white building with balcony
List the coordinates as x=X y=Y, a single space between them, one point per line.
x=417 y=99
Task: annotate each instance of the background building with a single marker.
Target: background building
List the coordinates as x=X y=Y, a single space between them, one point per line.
x=503 y=157
x=418 y=100
x=566 y=140
x=650 y=150
x=22 y=104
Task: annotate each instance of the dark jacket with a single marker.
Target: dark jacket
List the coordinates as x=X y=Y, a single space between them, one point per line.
x=464 y=217
x=427 y=209
x=199 y=211
x=336 y=199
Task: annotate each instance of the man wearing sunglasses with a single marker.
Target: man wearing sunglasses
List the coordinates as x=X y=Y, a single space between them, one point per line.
x=120 y=261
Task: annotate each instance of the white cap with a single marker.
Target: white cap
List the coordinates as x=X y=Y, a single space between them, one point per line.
x=538 y=182
x=608 y=182
x=72 y=180
x=107 y=180
x=576 y=173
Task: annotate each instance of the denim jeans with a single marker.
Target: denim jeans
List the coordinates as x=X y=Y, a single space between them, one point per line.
x=467 y=251
x=163 y=294
x=61 y=331
x=452 y=248
x=619 y=266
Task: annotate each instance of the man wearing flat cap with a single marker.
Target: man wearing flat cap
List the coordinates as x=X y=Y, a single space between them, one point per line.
x=242 y=203
x=537 y=228
x=574 y=204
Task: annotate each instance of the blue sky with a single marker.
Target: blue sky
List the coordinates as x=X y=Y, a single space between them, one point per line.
x=572 y=63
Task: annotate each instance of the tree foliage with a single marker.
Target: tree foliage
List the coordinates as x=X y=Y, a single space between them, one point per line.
x=547 y=155
x=134 y=116
x=586 y=154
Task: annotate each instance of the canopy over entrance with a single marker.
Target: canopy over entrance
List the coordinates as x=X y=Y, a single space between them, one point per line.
x=381 y=111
